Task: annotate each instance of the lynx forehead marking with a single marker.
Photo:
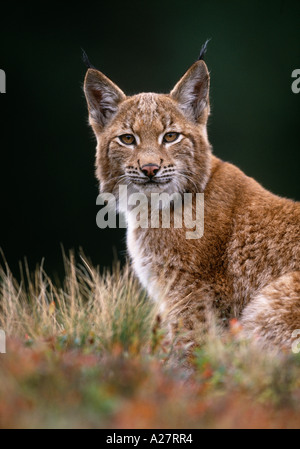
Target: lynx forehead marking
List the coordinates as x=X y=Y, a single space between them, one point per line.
x=147 y=108
x=147 y=112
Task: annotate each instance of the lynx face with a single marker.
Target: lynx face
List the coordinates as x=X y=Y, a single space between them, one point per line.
x=151 y=142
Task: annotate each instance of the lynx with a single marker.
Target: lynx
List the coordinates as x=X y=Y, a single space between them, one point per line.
x=247 y=263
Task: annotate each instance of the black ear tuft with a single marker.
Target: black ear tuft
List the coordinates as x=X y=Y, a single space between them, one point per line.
x=86 y=60
x=203 y=50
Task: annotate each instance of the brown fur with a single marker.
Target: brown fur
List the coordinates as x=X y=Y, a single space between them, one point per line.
x=247 y=264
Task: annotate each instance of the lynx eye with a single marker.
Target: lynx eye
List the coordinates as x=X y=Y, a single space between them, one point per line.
x=170 y=137
x=128 y=139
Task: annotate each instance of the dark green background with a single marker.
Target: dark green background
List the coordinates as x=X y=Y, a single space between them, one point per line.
x=47 y=187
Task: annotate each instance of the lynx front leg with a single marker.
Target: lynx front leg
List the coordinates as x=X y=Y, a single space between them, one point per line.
x=274 y=313
x=193 y=317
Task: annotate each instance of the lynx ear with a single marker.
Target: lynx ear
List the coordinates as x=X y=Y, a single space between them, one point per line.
x=192 y=92
x=103 y=98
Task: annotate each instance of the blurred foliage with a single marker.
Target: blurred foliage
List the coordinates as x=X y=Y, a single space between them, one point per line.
x=93 y=353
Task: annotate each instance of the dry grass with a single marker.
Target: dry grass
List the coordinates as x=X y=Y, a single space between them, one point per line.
x=92 y=353
x=110 y=307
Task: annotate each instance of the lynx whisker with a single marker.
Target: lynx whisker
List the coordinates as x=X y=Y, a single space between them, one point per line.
x=189 y=179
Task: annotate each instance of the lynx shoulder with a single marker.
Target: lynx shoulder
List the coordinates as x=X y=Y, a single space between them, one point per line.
x=247 y=263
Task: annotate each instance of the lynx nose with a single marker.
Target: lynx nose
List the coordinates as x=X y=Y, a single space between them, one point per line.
x=150 y=169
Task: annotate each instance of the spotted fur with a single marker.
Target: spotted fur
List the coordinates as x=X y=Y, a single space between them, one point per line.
x=247 y=264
